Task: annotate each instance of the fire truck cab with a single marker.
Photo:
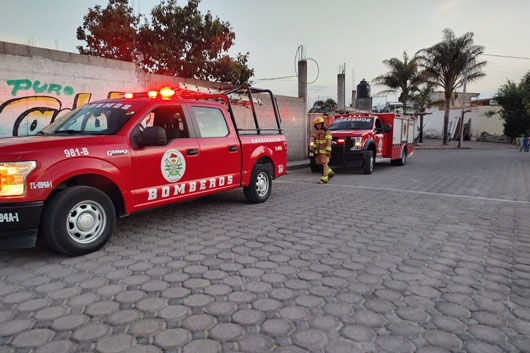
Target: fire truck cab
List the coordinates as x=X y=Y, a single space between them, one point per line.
x=359 y=139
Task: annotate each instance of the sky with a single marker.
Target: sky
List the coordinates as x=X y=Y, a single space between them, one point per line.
x=360 y=34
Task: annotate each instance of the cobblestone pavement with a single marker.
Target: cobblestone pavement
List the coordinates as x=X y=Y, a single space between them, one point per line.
x=379 y=263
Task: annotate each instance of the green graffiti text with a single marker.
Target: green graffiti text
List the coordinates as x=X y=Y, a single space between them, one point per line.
x=38 y=87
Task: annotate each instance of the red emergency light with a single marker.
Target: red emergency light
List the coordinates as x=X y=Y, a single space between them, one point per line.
x=340 y=141
x=129 y=95
x=167 y=92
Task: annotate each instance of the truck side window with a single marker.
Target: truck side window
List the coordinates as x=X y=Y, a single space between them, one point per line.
x=211 y=122
x=378 y=126
x=171 y=118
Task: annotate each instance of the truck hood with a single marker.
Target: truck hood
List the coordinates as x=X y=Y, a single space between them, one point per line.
x=28 y=144
x=351 y=133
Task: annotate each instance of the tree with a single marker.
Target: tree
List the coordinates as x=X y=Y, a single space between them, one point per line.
x=321 y=106
x=109 y=32
x=421 y=100
x=445 y=63
x=403 y=75
x=178 y=41
x=515 y=110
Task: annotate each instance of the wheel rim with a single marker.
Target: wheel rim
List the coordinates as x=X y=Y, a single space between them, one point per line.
x=262 y=184
x=86 y=222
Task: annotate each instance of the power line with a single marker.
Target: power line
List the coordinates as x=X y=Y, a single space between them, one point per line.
x=508 y=56
x=273 y=78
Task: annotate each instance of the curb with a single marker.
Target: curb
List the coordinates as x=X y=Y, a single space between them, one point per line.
x=443 y=148
x=295 y=165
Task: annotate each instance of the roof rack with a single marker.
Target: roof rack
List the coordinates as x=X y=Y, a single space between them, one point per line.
x=238 y=96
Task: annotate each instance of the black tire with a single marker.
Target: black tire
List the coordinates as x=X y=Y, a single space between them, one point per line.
x=316 y=168
x=260 y=186
x=64 y=235
x=401 y=161
x=368 y=162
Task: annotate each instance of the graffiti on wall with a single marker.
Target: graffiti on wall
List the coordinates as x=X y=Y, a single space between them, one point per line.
x=37 y=104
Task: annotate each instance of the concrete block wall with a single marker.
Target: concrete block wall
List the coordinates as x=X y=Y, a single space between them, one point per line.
x=37 y=84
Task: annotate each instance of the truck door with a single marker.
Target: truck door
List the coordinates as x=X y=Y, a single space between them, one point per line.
x=380 y=138
x=161 y=173
x=220 y=147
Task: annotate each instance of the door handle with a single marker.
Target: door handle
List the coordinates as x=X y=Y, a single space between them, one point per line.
x=232 y=148
x=192 y=151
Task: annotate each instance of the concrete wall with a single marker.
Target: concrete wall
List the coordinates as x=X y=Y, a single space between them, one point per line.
x=493 y=125
x=434 y=123
x=36 y=84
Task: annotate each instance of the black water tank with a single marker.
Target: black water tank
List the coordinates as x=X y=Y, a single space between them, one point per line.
x=363 y=89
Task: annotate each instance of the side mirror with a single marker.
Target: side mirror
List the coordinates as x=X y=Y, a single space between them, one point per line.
x=153 y=136
x=387 y=128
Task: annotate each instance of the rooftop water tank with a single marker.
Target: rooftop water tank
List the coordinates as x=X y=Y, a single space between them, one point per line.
x=363 y=89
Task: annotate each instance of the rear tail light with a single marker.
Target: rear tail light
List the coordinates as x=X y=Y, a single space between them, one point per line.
x=340 y=141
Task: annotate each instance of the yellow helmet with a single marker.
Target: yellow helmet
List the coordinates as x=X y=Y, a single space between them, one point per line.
x=319 y=120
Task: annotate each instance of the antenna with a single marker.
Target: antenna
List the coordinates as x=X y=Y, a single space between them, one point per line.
x=353 y=78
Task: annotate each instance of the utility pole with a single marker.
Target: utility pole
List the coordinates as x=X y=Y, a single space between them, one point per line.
x=463 y=106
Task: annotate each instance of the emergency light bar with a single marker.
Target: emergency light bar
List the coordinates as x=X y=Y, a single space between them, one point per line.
x=184 y=90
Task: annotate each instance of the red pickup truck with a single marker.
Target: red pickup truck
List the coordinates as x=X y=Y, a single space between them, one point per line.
x=359 y=139
x=114 y=157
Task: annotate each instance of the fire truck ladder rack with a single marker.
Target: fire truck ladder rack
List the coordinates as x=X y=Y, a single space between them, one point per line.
x=249 y=91
x=240 y=95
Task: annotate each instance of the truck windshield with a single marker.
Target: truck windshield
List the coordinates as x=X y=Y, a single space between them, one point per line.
x=99 y=119
x=352 y=124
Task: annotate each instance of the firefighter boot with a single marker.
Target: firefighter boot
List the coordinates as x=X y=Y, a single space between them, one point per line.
x=331 y=173
x=323 y=180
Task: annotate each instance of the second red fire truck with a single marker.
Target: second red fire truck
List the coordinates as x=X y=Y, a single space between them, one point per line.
x=359 y=139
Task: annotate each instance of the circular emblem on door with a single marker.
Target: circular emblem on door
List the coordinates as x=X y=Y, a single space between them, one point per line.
x=173 y=165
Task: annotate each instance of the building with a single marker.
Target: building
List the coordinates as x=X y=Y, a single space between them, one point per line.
x=434 y=122
x=489 y=118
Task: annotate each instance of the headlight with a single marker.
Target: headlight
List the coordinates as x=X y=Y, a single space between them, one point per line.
x=13 y=177
x=357 y=143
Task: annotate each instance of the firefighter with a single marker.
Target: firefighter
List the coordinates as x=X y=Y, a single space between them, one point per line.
x=322 y=149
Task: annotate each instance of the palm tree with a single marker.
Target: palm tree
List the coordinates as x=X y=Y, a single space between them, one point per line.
x=403 y=75
x=421 y=99
x=445 y=63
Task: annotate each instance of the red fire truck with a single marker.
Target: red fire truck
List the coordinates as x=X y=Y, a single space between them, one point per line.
x=115 y=157
x=358 y=139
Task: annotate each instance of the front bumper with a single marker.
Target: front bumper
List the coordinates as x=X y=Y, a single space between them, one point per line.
x=19 y=224
x=342 y=158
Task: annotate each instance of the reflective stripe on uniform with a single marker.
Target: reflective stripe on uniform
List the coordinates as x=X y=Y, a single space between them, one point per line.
x=322 y=151
x=329 y=137
x=328 y=148
x=325 y=178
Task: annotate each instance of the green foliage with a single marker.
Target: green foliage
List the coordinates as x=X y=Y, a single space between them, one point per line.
x=109 y=32
x=178 y=41
x=421 y=98
x=326 y=106
x=513 y=99
x=444 y=65
x=403 y=75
